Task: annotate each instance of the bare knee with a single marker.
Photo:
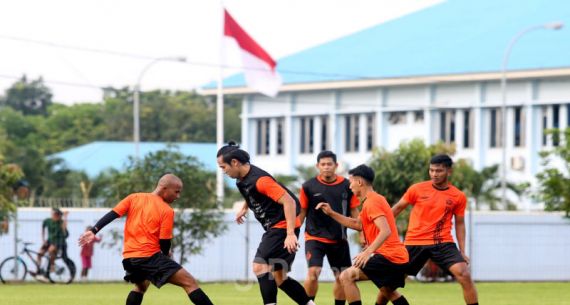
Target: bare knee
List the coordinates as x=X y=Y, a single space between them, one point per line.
x=346 y=277
x=259 y=269
x=141 y=287
x=314 y=273
x=280 y=276
x=463 y=276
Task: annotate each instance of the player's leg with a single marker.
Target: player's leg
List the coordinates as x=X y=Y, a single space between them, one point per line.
x=135 y=297
x=290 y=286
x=314 y=253
x=184 y=279
x=448 y=257
x=52 y=251
x=462 y=274
x=348 y=279
x=41 y=254
x=338 y=256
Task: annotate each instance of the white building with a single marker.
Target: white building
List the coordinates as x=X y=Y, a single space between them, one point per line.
x=433 y=75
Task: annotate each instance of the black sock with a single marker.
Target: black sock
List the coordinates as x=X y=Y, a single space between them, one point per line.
x=312 y=298
x=268 y=288
x=339 y=302
x=198 y=297
x=295 y=291
x=474 y=303
x=400 y=301
x=355 y=303
x=134 y=298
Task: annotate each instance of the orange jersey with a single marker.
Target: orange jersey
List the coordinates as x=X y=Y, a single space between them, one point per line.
x=149 y=219
x=270 y=188
x=373 y=207
x=430 y=219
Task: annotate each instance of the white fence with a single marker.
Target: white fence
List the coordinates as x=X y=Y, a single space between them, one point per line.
x=507 y=246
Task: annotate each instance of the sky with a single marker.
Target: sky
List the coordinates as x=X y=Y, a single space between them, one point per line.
x=50 y=38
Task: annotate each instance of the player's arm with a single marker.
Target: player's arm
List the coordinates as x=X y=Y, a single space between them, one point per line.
x=44 y=224
x=349 y=222
x=400 y=206
x=242 y=213
x=460 y=234
x=304 y=201
x=290 y=209
x=89 y=236
x=381 y=223
x=166 y=232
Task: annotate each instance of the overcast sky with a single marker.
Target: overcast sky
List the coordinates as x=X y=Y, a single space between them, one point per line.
x=189 y=28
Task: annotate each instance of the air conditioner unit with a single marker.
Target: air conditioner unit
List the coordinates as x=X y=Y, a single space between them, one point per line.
x=517 y=163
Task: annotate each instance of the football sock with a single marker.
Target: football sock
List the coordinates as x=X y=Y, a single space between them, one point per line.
x=268 y=288
x=198 y=297
x=295 y=291
x=134 y=298
x=355 y=303
x=339 y=302
x=474 y=303
x=400 y=301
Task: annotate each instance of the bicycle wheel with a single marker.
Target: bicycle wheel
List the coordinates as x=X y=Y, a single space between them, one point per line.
x=63 y=271
x=13 y=269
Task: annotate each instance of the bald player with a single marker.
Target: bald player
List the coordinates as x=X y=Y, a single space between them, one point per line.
x=147 y=241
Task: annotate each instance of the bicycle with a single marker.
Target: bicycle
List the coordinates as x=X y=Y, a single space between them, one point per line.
x=15 y=269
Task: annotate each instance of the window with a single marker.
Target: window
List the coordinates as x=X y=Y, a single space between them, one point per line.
x=306 y=135
x=520 y=123
x=263 y=137
x=370 y=131
x=468 y=127
x=495 y=128
x=418 y=116
x=396 y=118
x=324 y=133
x=447 y=126
x=555 y=123
x=544 y=125
x=280 y=136
x=351 y=133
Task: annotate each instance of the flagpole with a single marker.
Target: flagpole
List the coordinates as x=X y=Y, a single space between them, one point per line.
x=220 y=112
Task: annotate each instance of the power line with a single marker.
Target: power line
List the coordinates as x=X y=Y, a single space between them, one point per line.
x=193 y=63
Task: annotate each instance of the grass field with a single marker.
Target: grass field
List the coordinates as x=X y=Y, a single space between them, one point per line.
x=239 y=294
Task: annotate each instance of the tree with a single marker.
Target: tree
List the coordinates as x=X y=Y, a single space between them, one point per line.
x=198 y=218
x=10 y=174
x=29 y=97
x=553 y=181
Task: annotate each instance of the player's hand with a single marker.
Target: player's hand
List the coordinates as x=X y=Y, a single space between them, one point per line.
x=325 y=207
x=466 y=258
x=361 y=259
x=291 y=243
x=241 y=216
x=86 y=238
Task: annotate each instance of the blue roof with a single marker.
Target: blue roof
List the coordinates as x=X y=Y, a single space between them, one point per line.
x=95 y=157
x=453 y=37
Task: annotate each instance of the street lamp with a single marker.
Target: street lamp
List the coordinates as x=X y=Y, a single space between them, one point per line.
x=136 y=99
x=546 y=26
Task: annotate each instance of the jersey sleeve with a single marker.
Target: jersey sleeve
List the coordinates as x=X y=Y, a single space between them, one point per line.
x=270 y=188
x=45 y=223
x=375 y=210
x=167 y=224
x=303 y=199
x=461 y=205
x=411 y=195
x=123 y=207
x=354 y=202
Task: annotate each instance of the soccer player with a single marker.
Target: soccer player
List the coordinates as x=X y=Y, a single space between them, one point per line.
x=276 y=208
x=323 y=235
x=385 y=259
x=56 y=227
x=147 y=241
x=435 y=203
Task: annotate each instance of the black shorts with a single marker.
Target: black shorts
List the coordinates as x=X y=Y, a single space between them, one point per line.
x=271 y=250
x=338 y=254
x=157 y=269
x=384 y=273
x=444 y=255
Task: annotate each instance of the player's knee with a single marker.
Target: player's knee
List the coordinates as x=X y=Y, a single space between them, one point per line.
x=314 y=273
x=463 y=276
x=259 y=269
x=346 y=277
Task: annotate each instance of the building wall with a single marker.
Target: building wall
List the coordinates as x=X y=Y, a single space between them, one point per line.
x=503 y=246
x=406 y=112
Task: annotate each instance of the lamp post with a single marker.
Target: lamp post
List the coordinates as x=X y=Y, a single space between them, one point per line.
x=136 y=99
x=546 y=26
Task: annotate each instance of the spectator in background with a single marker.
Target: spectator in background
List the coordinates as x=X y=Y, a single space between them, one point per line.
x=57 y=232
x=86 y=254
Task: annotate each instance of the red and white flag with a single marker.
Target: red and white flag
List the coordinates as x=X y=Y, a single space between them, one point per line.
x=259 y=67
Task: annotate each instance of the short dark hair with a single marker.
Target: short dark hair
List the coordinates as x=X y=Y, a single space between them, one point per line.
x=363 y=171
x=232 y=151
x=326 y=154
x=442 y=159
x=57 y=211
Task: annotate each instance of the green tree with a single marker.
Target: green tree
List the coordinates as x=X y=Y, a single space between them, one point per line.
x=10 y=174
x=198 y=218
x=554 y=181
x=29 y=97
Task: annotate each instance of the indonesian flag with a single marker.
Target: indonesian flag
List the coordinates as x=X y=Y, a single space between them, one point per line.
x=259 y=67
